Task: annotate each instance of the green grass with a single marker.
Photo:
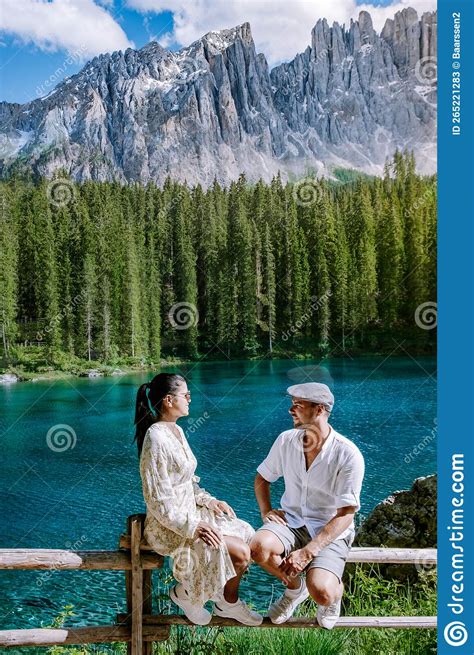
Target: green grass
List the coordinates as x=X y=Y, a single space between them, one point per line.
x=366 y=594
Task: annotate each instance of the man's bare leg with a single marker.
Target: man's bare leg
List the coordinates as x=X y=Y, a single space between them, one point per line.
x=267 y=551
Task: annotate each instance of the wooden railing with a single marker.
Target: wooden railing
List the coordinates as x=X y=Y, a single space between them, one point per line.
x=138 y=626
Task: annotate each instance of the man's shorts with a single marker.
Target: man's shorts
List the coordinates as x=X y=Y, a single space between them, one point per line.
x=332 y=558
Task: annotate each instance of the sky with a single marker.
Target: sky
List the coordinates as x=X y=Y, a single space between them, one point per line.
x=44 y=41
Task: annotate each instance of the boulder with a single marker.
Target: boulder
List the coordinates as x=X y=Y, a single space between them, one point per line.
x=8 y=378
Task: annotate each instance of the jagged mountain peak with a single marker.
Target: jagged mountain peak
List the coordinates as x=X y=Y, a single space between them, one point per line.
x=222 y=39
x=214 y=109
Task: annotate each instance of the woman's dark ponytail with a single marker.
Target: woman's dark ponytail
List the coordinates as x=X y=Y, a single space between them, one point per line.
x=149 y=399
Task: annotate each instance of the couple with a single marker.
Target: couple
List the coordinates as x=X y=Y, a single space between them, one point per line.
x=211 y=548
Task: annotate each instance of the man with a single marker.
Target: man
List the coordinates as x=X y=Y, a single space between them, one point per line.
x=314 y=529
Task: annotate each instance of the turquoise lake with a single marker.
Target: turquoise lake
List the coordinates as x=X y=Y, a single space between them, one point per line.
x=79 y=497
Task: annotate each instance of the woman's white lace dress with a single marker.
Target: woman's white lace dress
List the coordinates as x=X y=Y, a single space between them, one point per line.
x=175 y=505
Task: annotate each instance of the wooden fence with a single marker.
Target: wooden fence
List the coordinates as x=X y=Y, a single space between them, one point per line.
x=138 y=626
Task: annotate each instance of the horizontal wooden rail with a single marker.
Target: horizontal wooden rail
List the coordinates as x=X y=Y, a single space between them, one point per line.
x=92 y=560
x=116 y=560
x=305 y=622
x=393 y=555
x=361 y=554
x=156 y=628
x=90 y=635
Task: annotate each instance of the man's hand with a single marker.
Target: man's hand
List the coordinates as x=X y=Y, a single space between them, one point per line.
x=296 y=562
x=208 y=534
x=275 y=515
x=220 y=507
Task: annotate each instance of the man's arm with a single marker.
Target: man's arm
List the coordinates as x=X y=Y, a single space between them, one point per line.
x=332 y=530
x=298 y=559
x=263 y=496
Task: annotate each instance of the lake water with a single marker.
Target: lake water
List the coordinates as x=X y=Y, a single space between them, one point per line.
x=79 y=497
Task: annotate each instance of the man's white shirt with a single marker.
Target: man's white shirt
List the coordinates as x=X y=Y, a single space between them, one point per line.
x=312 y=497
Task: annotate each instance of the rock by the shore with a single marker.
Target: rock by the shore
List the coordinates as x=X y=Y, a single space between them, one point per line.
x=406 y=519
x=92 y=373
x=117 y=371
x=8 y=378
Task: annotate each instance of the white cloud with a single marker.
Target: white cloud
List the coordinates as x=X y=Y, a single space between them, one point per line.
x=281 y=28
x=80 y=27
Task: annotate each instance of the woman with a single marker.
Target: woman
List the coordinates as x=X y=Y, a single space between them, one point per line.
x=208 y=544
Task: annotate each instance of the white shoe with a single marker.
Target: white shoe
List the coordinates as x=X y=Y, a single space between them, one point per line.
x=328 y=614
x=239 y=611
x=197 y=615
x=281 y=610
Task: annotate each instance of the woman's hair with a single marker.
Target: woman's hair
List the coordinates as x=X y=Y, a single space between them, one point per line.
x=149 y=400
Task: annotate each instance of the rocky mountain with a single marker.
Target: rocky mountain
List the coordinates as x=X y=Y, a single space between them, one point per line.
x=215 y=109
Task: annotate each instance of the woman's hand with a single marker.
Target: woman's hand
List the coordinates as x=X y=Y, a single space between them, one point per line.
x=208 y=534
x=275 y=515
x=220 y=507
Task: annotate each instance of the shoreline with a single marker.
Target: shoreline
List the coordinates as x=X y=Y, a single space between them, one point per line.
x=14 y=375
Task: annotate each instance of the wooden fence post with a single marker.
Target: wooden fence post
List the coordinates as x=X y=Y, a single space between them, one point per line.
x=137 y=586
x=134 y=588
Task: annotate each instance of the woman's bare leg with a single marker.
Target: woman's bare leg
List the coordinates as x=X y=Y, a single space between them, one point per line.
x=239 y=553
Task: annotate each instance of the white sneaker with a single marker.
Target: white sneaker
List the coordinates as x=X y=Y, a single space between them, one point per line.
x=197 y=615
x=328 y=614
x=281 y=610
x=239 y=611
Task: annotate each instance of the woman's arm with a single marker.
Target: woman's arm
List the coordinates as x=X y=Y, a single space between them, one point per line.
x=158 y=490
x=202 y=496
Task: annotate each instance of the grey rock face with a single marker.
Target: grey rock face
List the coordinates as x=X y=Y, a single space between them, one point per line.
x=406 y=519
x=214 y=109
